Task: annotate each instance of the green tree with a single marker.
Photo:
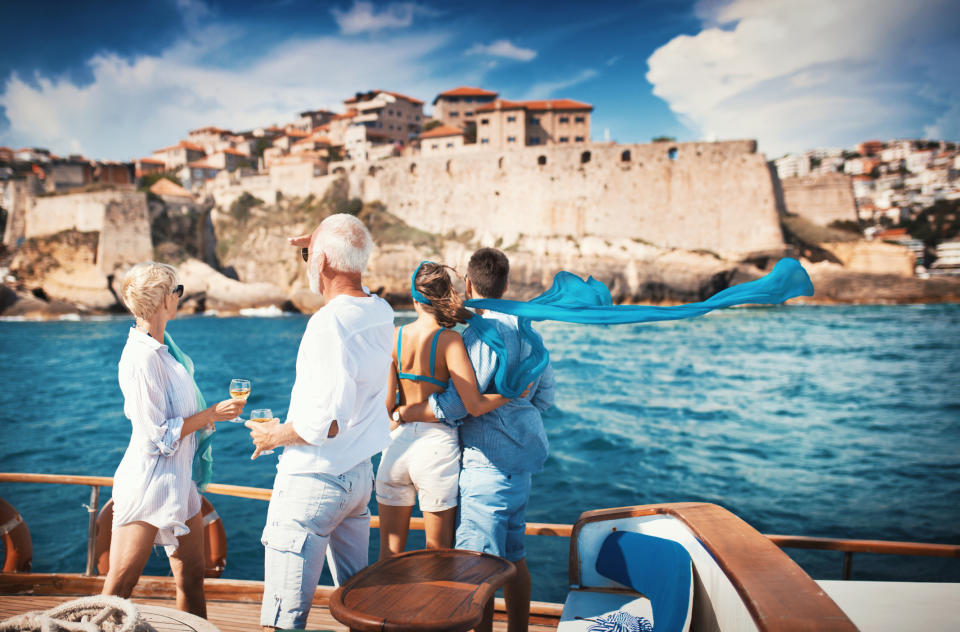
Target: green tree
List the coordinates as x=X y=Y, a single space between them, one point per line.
x=663 y=139
x=936 y=224
x=431 y=124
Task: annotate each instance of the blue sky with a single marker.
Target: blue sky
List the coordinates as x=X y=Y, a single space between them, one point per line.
x=116 y=81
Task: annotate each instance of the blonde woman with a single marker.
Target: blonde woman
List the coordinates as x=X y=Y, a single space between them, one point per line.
x=155 y=501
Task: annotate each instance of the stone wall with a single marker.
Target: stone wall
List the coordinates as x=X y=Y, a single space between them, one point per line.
x=119 y=217
x=711 y=196
x=296 y=180
x=820 y=199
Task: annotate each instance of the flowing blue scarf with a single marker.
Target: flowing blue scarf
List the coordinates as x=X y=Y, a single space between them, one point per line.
x=203 y=457
x=571 y=299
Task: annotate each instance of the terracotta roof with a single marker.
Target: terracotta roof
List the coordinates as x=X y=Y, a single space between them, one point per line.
x=373 y=93
x=235 y=152
x=348 y=114
x=556 y=104
x=210 y=130
x=182 y=144
x=150 y=160
x=465 y=91
x=296 y=132
x=500 y=104
x=325 y=128
x=165 y=186
x=442 y=130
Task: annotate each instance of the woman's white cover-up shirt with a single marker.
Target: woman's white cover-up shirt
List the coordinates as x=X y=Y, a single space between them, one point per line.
x=153 y=483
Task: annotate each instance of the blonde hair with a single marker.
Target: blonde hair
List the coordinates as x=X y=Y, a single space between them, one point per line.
x=145 y=286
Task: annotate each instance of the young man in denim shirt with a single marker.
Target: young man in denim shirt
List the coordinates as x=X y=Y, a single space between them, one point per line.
x=502 y=448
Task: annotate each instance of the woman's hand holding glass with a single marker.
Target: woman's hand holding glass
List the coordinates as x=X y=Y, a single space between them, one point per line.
x=239 y=389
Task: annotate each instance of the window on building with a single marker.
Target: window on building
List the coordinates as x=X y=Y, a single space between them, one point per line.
x=468 y=100
x=579 y=119
x=484 y=121
x=534 y=140
x=379 y=125
x=534 y=120
x=625 y=156
x=564 y=139
x=672 y=153
x=585 y=157
x=564 y=119
x=511 y=119
x=542 y=160
x=468 y=113
x=511 y=139
x=449 y=144
x=484 y=141
x=434 y=146
x=579 y=139
x=454 y=113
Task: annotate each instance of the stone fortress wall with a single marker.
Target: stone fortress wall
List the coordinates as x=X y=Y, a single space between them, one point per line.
x=821 y=199
x=713 y=196
x=120 y=218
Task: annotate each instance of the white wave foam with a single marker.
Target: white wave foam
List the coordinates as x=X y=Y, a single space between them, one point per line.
x=270 y=311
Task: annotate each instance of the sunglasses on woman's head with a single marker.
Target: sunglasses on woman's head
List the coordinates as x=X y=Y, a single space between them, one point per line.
x=305 y=253
x=178 y=291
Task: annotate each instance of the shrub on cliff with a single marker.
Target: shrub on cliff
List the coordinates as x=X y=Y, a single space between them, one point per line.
x=240 y=209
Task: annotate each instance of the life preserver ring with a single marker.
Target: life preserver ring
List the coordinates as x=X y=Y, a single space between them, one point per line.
x=17 y=544
x=214 y=539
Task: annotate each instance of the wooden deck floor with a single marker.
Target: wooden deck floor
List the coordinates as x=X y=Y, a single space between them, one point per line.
x=229 y=616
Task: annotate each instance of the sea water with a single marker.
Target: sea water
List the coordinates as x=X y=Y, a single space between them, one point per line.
x=806 y=420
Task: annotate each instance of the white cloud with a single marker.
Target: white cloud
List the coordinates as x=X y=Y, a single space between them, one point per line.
x=544 y=89
x=796 y=75
x=135 y=106
x=363 y=18
x=503 y=48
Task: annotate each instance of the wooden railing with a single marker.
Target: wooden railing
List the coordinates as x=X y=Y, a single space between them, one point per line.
x=848 y=547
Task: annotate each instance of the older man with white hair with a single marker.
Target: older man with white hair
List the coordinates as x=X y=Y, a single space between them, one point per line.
x=335 y=424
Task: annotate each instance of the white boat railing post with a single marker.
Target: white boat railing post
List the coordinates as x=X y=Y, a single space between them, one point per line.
x=92 y=509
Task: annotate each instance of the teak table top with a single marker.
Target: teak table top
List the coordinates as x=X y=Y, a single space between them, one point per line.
x=431 y=590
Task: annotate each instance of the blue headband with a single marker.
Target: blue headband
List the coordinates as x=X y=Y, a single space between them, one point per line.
x=414 y=293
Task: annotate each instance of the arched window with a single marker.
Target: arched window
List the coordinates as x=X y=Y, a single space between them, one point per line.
x=585 y=157
x=500 y=163
x=625 y=156
x=542 y=160
x=372 y=171
x=672 y=153
x=413 y=167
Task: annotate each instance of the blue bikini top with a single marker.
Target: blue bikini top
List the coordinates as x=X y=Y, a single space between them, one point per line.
x=433 y=357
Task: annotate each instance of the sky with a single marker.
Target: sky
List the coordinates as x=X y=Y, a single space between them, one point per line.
x=116 y=81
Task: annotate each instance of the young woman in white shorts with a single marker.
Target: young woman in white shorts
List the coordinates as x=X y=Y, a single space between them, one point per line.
x=423 y=459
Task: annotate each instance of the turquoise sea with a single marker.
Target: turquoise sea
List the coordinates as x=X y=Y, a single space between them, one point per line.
x=807 y=420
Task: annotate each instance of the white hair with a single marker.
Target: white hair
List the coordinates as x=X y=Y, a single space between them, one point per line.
x=345 y=243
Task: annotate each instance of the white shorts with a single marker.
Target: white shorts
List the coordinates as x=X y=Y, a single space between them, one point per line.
x=423 y=460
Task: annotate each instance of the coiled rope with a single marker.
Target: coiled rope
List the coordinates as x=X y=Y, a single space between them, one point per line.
x=87 y=614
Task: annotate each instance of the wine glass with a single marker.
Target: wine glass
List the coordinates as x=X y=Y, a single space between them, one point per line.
x=259 y=416
x=239 y=389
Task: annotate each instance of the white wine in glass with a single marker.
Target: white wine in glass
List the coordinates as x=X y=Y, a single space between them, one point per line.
x=239 y=389
x=260 y=415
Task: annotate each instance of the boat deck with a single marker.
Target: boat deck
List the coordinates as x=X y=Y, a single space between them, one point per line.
x=229 y=616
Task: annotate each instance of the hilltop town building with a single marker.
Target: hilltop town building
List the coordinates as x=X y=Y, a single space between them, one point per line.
x=458 y=107
x=313 y=118
x=440 y=140
x=397 y=116
x=507 y=124
x=179 y=155
x=146 y=166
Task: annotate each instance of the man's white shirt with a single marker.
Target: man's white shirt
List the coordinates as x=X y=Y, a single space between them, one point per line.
x=342 y=369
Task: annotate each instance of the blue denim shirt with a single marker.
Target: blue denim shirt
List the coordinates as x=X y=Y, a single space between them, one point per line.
x=510 y=438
